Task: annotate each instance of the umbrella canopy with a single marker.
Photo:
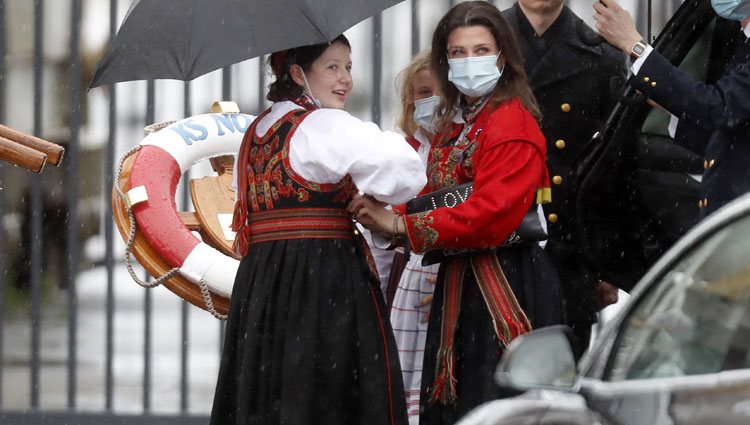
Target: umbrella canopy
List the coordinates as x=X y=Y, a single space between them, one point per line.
x=184 y=39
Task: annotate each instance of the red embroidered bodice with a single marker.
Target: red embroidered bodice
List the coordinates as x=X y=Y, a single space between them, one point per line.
x=272 y=183
x=503 y=154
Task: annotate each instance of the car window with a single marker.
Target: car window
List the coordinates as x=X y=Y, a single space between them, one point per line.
x=695 y=319
x=694 y=64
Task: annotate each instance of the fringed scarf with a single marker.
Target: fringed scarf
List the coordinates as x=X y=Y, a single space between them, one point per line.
x=508 y=317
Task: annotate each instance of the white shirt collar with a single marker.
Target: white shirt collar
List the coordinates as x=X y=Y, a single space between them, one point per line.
x=421 y=137
x=746 y=30
x=278 y=110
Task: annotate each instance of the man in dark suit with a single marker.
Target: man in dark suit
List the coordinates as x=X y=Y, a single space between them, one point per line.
x=713 y=120
x=576 y=79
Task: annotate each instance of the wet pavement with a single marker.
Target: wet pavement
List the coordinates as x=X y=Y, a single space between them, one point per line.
x=128 y=357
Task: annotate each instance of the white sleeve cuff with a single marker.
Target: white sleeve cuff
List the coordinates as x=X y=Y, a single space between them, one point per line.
x=672 y=128
x=639 y=62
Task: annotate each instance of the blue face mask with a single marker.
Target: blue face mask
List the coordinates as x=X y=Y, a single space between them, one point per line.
x=424 y=113
x=734 y=10
x=475 y=76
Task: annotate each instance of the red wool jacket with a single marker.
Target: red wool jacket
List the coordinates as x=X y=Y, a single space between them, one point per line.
x=504 y=154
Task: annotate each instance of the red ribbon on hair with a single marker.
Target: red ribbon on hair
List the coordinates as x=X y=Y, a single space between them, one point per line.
x=277 y=62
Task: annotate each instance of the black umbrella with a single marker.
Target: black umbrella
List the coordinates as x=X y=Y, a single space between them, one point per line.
x=184 y=39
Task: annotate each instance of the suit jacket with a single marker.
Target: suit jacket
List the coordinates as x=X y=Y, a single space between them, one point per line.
x=576 y=81
x=714 y=121
x=576 y=84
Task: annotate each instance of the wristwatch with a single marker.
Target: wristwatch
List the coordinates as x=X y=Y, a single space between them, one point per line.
x=638 y=49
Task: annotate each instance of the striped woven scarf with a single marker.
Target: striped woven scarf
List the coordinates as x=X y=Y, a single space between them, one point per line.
x=508 y=318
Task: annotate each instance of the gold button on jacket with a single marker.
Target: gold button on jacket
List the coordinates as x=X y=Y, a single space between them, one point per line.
x=552 y=218
x=560 y=144
x=557 y=180
x=565 y=107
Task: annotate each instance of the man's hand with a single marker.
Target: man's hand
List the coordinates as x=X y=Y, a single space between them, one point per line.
x=615 y=25
x=426 y=300
x=604 y=294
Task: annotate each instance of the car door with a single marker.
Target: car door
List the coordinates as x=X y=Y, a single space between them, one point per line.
x=637 y=190
x=680 y=352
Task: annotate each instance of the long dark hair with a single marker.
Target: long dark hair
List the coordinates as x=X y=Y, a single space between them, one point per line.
x=513 y=84
x=284 y=88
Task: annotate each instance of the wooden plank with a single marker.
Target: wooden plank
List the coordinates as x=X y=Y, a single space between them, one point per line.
x=54 y=152
x=21 y=155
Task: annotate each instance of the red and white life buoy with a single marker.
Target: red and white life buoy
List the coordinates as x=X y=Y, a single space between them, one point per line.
x=162 y=159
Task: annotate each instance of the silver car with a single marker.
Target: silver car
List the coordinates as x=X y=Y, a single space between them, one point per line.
x=677 y=353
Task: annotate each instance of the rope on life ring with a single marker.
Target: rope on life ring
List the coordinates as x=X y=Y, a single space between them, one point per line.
x=155 y=232
x=131 y=234
x=205 y=292
x=209 y=300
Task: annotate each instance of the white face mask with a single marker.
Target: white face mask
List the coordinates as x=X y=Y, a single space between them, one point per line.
x=734 y=10
x=475 y=76
x=309 y=91
x=424 y=113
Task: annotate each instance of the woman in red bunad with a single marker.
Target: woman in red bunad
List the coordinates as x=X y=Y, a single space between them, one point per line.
x=500 y=290
x=308 y=339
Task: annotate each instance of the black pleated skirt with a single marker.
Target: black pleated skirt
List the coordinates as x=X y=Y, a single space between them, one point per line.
x=535 y=284
x=308 y=340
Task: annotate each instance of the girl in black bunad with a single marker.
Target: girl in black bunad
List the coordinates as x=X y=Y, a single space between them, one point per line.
x=308 y=339
x=485 y=299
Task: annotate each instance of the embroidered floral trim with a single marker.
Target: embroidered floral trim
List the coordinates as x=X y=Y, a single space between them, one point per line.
x=270 y=175
x=421 y=233
x=251 y=193
x=466 y=161
x=434 y=168
x=454 y=156
x=452 y=164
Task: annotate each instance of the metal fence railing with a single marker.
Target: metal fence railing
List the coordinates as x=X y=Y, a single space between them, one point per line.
x=81 y=344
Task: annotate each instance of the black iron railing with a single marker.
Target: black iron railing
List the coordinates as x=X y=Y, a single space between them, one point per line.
x=35 y=412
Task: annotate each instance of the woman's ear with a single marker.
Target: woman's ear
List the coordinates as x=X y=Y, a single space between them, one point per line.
x=296 y=72
x=500 y=60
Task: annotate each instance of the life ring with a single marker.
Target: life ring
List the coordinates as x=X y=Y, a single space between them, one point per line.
x=163 y=238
